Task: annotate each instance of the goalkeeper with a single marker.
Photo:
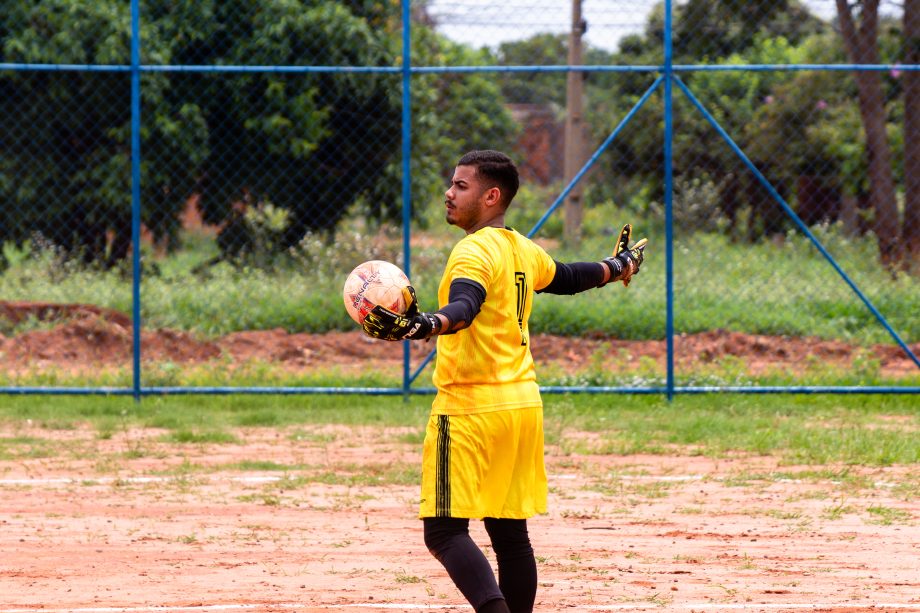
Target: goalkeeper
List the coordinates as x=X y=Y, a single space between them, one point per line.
x=483 y=452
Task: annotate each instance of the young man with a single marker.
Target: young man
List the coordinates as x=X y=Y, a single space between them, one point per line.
x=483 y=450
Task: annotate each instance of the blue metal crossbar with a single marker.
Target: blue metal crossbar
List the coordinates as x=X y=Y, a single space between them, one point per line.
x=20 y=67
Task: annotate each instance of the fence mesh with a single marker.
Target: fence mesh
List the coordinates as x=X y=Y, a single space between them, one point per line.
x=271 y=164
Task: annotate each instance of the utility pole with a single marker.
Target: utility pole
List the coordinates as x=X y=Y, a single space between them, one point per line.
x=574 y=128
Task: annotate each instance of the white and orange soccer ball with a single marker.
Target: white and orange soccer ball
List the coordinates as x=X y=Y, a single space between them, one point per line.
x=372 y=283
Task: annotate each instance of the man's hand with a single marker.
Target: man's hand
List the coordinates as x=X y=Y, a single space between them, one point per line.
x=384 y=324
x=626 y=260
x=411 y=301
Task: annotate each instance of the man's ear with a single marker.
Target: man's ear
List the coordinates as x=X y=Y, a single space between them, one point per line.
x=493 y=196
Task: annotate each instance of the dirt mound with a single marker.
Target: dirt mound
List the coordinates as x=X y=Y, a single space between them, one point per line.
x=90 y=336
x=759 y=352
x=19 y=312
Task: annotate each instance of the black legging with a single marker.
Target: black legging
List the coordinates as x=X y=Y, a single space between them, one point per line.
x=448 y=540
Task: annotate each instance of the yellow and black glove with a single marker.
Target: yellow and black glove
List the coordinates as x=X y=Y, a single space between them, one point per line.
x=387 y=325
x=626 y=260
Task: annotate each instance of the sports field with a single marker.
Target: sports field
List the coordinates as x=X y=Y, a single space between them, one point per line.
x=711 y=503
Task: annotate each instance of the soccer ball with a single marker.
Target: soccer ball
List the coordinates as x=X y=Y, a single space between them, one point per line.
x=372 y=283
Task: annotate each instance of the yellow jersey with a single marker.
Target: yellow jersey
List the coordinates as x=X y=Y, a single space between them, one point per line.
x=488 y=366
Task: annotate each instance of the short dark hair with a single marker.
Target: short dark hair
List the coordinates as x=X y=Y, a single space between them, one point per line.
x=497 y=169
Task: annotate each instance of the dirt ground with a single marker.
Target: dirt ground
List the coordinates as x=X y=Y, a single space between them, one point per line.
x=81 y=337
x=324 y=518
x=133 y=523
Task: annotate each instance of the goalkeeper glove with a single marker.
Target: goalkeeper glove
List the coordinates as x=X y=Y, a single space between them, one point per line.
x=626 y=260
x=387 y=325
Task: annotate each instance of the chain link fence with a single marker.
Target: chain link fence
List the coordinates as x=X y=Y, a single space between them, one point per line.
x=769 y=150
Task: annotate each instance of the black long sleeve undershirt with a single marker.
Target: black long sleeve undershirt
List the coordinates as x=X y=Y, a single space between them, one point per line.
x=466 y=296
x=574 y=278
x=464 y=301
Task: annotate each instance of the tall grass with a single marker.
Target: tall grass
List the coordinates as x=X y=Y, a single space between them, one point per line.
x=764 y=288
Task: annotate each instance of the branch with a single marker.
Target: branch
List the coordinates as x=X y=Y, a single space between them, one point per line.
x=848 y=29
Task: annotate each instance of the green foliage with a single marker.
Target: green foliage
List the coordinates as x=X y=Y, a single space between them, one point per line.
x=266 y=225
x=692 y=205
x=305 y=153
x=716 y=28
x=309 y=143
x=530 y=205
x=64 y=135
x=451 y=114
x=734 y=98
x=314 y=144
x=543 y=88
x=538 y=50
x=799 y=128
x=326 y=146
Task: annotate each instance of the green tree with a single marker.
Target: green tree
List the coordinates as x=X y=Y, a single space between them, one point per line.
x=859 y=23
x=534 y=87
x=911 y=135
x=718 y=28
x=312 y=143
x=65 y=135
x=451 y=114
x=796 y=127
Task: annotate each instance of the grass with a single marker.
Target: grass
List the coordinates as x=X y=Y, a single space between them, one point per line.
x=802 y=429
x=769 y=288
x=762 y=288
x=217 y=373
x=810 y=430
x=887 y=516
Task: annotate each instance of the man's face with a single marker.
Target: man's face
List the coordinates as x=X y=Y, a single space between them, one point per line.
x=465 y=198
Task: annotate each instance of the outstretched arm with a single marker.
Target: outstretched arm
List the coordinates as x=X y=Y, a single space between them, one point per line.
x=464 y=301
x=577 y=277
x=580 y=276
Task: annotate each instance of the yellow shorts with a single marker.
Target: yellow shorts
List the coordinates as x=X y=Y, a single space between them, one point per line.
x=484 y=465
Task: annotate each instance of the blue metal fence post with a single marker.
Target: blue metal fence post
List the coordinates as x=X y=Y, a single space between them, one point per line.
x=406 y=168
x=668 y=193
x=136 y=192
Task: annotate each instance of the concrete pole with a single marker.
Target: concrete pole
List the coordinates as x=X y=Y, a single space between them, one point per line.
x=574 y=128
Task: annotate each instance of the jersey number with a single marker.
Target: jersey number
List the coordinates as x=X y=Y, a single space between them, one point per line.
x=520 y=282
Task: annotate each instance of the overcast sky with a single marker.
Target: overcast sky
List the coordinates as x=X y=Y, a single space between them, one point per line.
x=488 y=23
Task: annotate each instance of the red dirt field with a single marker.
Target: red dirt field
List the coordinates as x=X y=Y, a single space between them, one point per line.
x=133 y=523
x=324 y=518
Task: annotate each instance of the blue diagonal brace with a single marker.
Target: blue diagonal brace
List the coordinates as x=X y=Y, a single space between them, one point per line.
x=568 y=188
x=792 y=214
x=591 y=161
